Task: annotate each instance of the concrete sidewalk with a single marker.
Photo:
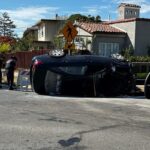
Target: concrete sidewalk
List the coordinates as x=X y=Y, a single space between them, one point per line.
x=4 y=78
x=21 y=82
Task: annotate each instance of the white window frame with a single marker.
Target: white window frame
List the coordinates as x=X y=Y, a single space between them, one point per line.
x=107 y=49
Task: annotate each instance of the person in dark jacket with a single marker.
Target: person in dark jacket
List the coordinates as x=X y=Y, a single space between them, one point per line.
x=10 y=68
x=1 y=66
x=1 y=63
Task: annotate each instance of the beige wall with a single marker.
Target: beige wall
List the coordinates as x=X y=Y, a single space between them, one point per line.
x=86 y=36
x=130 y=29
x=50 y=30
x=128 y=12
x=107 y=38
x=138 y=35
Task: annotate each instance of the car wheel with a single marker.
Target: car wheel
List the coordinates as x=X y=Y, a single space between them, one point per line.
x=147 y=87
x=38 y=78
x=52 y=83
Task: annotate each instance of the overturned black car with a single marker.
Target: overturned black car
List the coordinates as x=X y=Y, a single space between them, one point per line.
x=81 y=75
x=147 y=87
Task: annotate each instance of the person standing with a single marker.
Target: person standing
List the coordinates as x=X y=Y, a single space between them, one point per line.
x=1 y=66
x=10 y=68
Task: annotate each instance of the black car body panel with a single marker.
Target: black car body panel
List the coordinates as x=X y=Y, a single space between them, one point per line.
x=81 y=75
x=147 y=87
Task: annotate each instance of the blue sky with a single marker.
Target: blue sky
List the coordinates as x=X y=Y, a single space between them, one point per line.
x=26 y=13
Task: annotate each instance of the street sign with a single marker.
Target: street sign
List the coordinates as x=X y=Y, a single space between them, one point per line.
x=69 y=32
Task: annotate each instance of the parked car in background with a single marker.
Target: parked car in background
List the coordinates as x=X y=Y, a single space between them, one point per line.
x=81 y=75
x=147 y=87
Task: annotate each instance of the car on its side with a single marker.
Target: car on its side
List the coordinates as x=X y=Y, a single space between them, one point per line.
x=147 y=87
x=81 y=75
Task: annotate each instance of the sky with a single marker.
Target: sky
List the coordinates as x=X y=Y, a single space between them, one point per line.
x=26 y=13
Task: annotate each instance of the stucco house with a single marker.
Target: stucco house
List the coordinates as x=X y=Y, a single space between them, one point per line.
x=129 y=31
x=44 y=32
x=105 y=39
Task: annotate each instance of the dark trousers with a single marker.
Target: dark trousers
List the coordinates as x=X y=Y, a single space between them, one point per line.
x=10 y=77
x=0 y=76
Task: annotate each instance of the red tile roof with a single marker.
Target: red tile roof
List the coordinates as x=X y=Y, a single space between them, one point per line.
x=129 y=5
x=127 y=20
x=98 y=27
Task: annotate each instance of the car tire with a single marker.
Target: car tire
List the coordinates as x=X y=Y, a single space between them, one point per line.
x=147 y=87
x=52 y=83
x=38 y=80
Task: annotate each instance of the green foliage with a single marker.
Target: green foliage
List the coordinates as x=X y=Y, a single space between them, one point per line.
x=58 y=42
x=6 y=26
x=84 y=18
x=4 y=47
x=128 y=52
x=139 y=58
x=21 y=45
x=141 y=75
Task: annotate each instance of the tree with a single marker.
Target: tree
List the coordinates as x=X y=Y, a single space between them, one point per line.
x=22 y=44
x=77 y=17
x=84 y=18
x=6 y=43
x=127 y=52
x=58 y=42
x=4 y=47
x=6 y=26
x=98 y=18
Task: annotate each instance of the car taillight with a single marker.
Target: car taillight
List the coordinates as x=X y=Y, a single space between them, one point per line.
x=37 y=63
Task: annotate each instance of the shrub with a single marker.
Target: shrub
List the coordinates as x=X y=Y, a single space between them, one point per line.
x=141 y=75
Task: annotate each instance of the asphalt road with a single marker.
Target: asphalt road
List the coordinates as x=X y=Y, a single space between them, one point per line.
x=33 y=122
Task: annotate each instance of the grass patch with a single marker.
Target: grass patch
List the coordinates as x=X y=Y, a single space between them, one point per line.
x=141 y=75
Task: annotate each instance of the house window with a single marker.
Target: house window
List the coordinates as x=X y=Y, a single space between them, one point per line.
x=41 y=31
x=106 y=49
x=135 y=13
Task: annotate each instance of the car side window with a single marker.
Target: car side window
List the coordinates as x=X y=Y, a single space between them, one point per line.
x=74 y=70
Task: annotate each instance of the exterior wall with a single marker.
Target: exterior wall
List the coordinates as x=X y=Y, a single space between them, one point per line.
x=49 y=29
x=39 y=45
x=35 y=35
x=107 y=38
x=128 y=12
x=130 y=29
x=82 y=32
x=31 y=34
x=131 y=13
x=41 y=31
x=87 y=37
x=142 y=37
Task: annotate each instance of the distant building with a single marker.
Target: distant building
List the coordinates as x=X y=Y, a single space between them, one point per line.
x=129 y=31
x=127 y=11
x=105 y=39
x=44 y=32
